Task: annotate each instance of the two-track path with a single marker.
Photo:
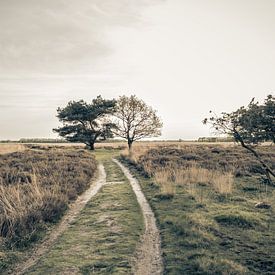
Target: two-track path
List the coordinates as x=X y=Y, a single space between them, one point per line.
x=148 y=260
x=97 y=224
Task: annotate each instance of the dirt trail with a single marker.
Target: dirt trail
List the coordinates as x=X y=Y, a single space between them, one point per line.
x=74 y=210
x=148 y=260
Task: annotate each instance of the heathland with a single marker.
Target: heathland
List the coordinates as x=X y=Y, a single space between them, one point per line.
x=213 y=207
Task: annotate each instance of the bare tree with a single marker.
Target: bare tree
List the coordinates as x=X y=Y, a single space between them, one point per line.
x=135 y=120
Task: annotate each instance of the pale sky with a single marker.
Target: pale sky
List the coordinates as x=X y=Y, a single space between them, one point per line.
x=182 y=57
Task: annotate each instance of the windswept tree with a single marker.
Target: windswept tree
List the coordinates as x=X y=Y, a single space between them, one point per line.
x=249 y=126
x=135 y=120
x=86 y=123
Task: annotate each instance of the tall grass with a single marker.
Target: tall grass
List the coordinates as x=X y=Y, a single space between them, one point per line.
x=221 y=182
x=226 y=159
x=165 y=180
x=136 y=152
x=210 y=225
x=24 y=206
x=36 y=188
x=168 y=172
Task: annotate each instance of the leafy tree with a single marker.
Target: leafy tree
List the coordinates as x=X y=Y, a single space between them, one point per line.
x=83 y=122
x=135 y=120
x=250 y=126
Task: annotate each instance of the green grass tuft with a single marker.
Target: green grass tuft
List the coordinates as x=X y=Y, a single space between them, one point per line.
x=239 y=219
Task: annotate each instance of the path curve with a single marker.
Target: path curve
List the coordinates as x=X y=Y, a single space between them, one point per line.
x=148 y=260
x=69 y=217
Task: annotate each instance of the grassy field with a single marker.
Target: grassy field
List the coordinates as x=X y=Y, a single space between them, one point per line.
x=104 y=237
x=204 y=199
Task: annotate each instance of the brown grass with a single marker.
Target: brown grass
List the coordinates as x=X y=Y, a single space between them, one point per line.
x=165 y=180
x=36 y=188
x=10 y=148
x=215 y=165
x=222 y=182
x=212 y=157
x=210 y=225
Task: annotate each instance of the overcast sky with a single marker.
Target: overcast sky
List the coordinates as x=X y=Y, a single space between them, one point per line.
x=183 y=57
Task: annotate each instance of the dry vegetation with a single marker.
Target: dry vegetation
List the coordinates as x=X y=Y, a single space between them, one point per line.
x=10 y=148
x=221 y=182
x=36 y=187
x=196 y=164
x=205 y=197
x=225 y=158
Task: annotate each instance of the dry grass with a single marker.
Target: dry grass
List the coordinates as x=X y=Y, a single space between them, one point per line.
x=10 y=148
x=136 y=152
x=36 y=188
x=212 y=157
x=165 y=180
x=20 y=206
x=221 y=182
x=140 y=148
x=210 y=225
x=171 y=174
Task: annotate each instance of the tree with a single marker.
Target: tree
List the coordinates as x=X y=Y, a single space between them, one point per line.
x=249 y=126
x=135 y=120
x=83 y=122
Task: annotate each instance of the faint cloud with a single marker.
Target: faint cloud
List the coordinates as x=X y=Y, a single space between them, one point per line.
x=56 y=36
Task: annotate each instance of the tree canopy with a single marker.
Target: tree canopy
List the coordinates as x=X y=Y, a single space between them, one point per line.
x=135 y=120
x=85 y=123
x=249 y=126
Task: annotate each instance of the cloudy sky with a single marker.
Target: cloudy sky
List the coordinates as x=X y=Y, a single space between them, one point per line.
x=183 y=57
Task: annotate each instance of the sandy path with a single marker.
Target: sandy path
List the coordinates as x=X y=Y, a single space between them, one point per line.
x=148 y=260
x=74 y=210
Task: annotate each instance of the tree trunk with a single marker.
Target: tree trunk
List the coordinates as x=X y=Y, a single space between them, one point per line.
x=266 y=168
x=91 y=146
x=130 y=143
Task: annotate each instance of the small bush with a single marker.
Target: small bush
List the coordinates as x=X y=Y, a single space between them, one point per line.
x=164 y=196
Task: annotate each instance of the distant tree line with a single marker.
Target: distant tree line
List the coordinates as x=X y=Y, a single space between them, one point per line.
x=35 y=140
x=42 y=140
x=215 y=139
